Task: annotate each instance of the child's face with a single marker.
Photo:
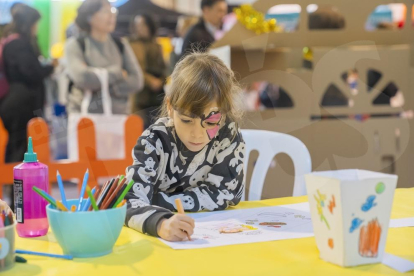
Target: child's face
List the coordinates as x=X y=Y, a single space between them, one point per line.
x=196 y=132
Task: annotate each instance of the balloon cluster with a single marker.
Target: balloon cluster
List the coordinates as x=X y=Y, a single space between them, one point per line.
x=255 y=20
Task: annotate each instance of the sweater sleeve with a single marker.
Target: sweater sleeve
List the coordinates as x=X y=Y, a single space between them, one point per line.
x=148 y=163
x=222 y=186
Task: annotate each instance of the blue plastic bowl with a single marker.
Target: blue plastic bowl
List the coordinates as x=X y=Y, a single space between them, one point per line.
x=86 y=234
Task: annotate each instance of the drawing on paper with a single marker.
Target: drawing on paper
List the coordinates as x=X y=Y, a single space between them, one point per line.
x=320 y=203
x=369 y=203
x=355 y=223
x=369 y=237
x=247 y=226
x=331 y=204
x=379 y=189
x=331 y=243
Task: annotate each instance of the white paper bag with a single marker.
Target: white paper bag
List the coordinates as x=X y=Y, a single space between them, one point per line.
x=350 y=212
x=109 y=128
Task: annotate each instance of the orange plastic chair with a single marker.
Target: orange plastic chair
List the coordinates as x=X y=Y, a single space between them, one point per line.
x=38 y=130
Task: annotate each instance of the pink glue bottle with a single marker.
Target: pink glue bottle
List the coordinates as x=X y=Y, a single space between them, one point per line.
x=30 y=208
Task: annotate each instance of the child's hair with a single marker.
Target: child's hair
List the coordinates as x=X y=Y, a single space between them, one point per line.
x=197 y=80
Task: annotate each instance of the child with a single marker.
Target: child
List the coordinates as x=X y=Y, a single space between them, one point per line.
x=195 y=152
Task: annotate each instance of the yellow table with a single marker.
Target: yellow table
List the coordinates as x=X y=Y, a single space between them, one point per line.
x=138 y=254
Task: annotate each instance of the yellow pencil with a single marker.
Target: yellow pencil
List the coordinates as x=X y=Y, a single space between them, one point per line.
x=61 y=206
x=180 y=210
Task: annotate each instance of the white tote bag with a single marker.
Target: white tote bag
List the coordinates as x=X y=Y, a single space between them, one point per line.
x=109 y=128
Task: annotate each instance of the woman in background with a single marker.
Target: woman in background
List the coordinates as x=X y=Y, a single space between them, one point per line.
x=25 y=75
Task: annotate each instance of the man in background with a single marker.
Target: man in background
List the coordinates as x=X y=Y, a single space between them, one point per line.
x=202 y=34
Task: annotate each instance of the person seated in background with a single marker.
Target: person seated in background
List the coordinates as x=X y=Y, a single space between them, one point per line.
x=149 y=55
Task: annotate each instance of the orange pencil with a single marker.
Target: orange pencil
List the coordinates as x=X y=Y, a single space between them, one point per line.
x=122 y=203
x=109 y=193
x=112 y=196
x=180 y=210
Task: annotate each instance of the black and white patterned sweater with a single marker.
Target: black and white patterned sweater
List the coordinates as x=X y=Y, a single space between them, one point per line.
x=164 y=169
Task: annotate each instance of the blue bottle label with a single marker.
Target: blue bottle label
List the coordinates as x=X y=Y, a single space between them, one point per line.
x=18 y=200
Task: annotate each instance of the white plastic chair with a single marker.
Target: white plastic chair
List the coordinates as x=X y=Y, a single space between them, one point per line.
x=269 y=144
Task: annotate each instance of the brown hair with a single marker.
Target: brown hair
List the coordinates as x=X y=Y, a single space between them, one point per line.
x=86 y=11
x=197 y=80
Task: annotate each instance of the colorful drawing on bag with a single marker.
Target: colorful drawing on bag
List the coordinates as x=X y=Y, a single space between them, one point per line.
x=379 y=189
x=320 y=203
x=331 y=204
x=356 y=222
x=369 y=237
x=331 y=243
x=369 y=203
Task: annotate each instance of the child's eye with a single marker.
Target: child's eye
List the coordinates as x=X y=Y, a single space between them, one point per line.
x=212 y=124
x=185 y=121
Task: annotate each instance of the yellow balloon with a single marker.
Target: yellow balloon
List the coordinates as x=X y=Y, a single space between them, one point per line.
x=255 y=21
x=57 y=50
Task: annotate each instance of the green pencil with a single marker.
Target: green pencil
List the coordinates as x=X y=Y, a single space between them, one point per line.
x=44 y=195
x=93 y=202
x=124 y=192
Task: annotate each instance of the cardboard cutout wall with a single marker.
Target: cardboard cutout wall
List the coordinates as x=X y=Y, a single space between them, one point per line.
x=361 y=129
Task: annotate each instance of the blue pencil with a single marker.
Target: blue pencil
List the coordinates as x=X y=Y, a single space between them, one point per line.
x=85 y=206
x=85 y=181
x=67 y=257
x=62 y=190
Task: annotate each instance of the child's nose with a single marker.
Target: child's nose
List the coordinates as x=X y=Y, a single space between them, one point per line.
x=198 y=131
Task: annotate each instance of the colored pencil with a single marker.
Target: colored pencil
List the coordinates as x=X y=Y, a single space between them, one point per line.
x=85 y=206
x=112 y=195
x=180 y=210
x=117 y=193
x=62 y=190
x=84 y=184
x=47 y=197
x=67 y=257
x=104 y=193
x=61 y=206
x=121 y=204
x=88 y=190
x=124 y=193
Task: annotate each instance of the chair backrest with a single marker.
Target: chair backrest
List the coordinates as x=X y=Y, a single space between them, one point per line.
x=269 y=144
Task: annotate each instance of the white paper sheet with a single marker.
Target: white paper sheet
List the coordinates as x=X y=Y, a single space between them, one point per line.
x=403 y=222
x=294 y=224
x=208 y=224
x=397 y=263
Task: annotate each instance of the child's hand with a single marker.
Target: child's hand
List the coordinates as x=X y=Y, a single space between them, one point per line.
x=5 y=207
x=172 y=229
